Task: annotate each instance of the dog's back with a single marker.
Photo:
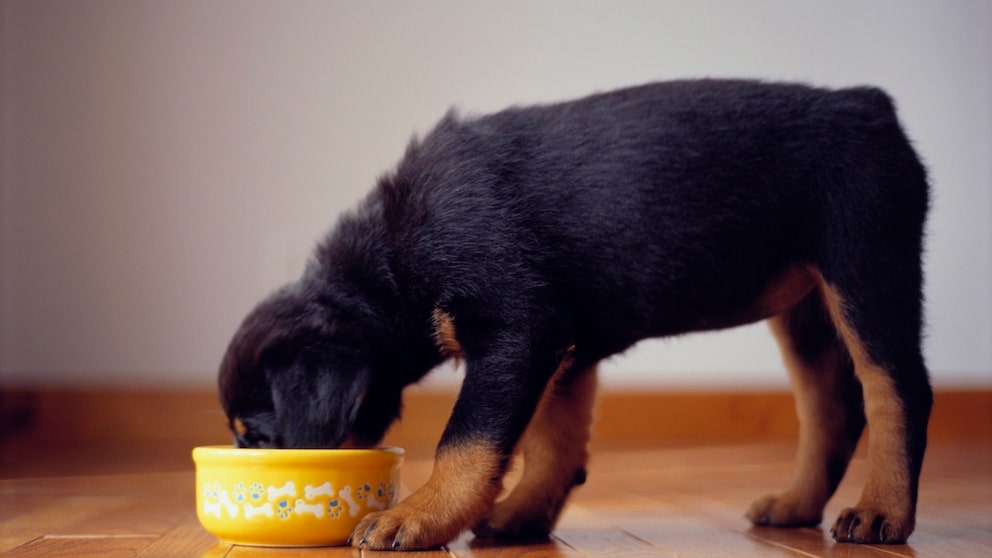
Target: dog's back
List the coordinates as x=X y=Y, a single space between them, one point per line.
x=662 y=208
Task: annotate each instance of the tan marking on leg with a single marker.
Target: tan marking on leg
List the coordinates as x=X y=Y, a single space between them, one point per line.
x=461 y=488
x=444 y=334
x=555 y=453
x=887 y=492
x=821 y=433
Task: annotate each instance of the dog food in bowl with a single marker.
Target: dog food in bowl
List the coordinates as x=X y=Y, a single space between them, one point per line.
x=292 y=497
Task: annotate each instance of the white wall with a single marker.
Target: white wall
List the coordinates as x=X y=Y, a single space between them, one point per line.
x=165 y=164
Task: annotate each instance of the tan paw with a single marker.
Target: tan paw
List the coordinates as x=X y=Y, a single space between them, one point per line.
x=462 y=487
x=403 y=528
x=871 y=526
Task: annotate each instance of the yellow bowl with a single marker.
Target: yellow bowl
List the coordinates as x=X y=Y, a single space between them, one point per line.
x=292 y=497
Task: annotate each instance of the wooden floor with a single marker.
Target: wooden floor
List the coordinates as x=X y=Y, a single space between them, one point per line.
x=667 y=502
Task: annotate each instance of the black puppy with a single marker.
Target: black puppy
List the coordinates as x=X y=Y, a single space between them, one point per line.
x=537 y=241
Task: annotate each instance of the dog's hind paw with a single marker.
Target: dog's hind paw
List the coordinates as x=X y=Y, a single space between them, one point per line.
x=870 y=526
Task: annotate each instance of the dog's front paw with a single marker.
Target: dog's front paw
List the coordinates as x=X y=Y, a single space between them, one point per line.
x=871 y=526
x=403 y=528
x=461 y=488
x=784 y=511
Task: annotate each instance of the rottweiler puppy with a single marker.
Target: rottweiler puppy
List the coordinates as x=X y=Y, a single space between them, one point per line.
x=534 y=242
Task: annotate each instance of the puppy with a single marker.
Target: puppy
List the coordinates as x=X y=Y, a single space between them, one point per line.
x=534 y=242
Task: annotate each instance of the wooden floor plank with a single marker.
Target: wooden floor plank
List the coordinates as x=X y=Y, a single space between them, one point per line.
x=811 y=541
x=57 y=514
x=262 y=552
x=134 y=519
x=436 y=553
x=466 y=546
x=185 y=539
x=688 y=537
x=609 y=541
x=76 y=547
x=673 y=527
x=552 y=549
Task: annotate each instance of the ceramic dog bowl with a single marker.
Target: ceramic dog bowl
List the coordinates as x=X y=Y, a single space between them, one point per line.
x=290 y=497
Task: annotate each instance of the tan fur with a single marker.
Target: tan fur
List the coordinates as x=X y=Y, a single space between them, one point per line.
x=444 y=334
x=239 y=427
x=461 y=488
x=820 y=432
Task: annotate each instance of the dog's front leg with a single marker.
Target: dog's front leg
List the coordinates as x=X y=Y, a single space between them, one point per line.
x=555 y=456
x=498 y=398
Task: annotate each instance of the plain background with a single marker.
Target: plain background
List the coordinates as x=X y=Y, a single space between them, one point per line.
x=166 y=164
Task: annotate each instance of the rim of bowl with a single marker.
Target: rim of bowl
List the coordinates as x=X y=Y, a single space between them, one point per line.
x=232 y=455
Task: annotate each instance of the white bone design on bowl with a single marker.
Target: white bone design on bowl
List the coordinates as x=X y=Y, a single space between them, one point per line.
x=287 y=490
x=353 y=506
x=302 y=507
x=218 y=500
x=231 y=507
x=265 y=509
x=371 y=502
x=326 y=489
x=212 y=508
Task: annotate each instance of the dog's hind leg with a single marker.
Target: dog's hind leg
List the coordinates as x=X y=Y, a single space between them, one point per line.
x=871 y=281
x=829 y=405
x=884 y=343
x=555 y=457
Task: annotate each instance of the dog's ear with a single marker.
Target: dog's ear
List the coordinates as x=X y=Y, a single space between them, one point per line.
x=317 y=398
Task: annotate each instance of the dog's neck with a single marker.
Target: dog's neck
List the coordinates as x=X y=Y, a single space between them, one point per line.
x=354 y=274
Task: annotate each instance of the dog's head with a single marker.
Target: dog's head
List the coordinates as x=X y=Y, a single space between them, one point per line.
x=301 y=373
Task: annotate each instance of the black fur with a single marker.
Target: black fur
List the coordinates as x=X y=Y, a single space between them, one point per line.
x=648 y=211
